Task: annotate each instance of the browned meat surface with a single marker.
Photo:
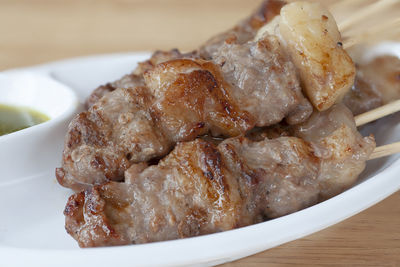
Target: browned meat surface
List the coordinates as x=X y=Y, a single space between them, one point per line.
x=136 y=77
x=189 y=193
x=252 y=84
x=377 y=83
x=193 y=100
x=264 y=79
x=245 y=31
x=202 y=188
x=160 y=57
x=104 y=141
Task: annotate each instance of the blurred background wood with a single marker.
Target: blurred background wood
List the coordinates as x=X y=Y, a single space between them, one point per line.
x=38 y=31
x=371 y=238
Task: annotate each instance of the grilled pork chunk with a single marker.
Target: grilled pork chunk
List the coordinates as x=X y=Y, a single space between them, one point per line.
x=136 y=77
x=202 y=188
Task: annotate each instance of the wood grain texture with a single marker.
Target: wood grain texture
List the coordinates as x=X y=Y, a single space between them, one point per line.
x=377 y=113
x=38 y=31
x=371 y=238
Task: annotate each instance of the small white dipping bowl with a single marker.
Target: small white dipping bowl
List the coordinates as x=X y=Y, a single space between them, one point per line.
x=19 y=149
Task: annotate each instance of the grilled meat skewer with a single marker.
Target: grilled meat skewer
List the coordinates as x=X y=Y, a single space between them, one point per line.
x=244 y=85
x=202 y=188
x=180 y=100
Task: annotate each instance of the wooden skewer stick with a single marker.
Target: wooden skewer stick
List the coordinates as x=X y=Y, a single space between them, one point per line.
x=377 y=113
x=386 y=150
x=364 y=13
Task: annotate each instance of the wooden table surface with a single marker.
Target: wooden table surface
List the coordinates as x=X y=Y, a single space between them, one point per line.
x=39 y=31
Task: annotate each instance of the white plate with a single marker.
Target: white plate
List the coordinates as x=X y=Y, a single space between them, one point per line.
x=32 y=223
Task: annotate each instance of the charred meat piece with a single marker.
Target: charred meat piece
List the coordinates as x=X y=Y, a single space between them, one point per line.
x=103 y=142
x=377 y=83
x=253 y=84
x=136 y=77
x=193 y=99
x=202 y=188
x=189 y=193
x=245 y=31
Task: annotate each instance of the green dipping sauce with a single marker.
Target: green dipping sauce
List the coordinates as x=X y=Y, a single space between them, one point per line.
x=14 y=118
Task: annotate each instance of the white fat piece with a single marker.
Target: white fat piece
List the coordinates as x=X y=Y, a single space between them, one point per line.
x=313 y=41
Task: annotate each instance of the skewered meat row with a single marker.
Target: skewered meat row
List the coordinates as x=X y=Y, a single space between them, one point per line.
x=202 y=188
x=377 y=82
x=180 y=100
x=245 y=85
x=312 y=40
